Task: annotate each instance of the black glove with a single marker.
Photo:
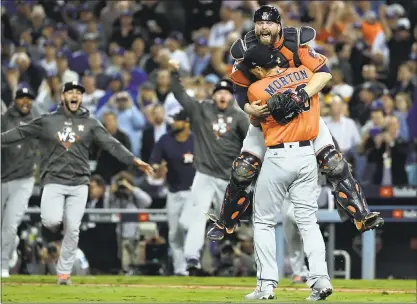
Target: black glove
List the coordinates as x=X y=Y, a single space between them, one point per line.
x=284 y=107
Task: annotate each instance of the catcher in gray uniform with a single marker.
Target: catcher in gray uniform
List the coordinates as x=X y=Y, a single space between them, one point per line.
x=67 y=135
x=17 y=179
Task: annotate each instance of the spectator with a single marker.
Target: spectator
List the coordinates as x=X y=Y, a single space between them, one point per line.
x=138 y=76
x=130 y=119
x=115 y=85
x=49 y=62
x=220 y=31
x=162 y=60
x=402 y=104
x=117 y=60
x=80 y=59
x=61 y=30
x=155 y=23
x=46 y=33
x=153 y=131
x=125 y=34
x=200 y=14
x=343 y=53
x=342 y=127
x=406 y=80
x=149 y=62
x=108 y=165
x=22 y=19
x=49 y=96
x=200 y=57
x=95 y=63
x=63 y=70
x=26 y=71
x=138 y=48
x=173 y=43
x=86 y=15
x=26 y=42
x=389 y=154
x=92 y=95
x=124 y=195
x=339 y=86
x=377 y=120
x=163 y=85
x=147 y=96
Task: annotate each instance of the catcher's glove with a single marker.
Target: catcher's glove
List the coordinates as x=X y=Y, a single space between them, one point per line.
x=285 y=107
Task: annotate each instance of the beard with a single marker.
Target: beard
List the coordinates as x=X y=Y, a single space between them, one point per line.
x=177 y=131
x=266 y=37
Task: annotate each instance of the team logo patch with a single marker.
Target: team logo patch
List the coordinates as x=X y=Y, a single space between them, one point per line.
x=67 y=137
x=221 y=126
x=313 y=53
x=265 y=16
x=188 y=158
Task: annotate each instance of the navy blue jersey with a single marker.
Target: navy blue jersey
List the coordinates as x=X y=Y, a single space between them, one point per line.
x=180 y=161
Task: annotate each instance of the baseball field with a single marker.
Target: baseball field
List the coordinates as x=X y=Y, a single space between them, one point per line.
x=123 y=289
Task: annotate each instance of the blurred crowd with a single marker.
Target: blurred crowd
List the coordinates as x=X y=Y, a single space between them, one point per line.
x=119 y=51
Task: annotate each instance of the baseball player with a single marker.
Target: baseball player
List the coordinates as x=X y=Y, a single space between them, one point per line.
x=66 y=136
x=173 y=154
x=289 y=167
x=219 y=129
x=17 y=179
x=290 y=47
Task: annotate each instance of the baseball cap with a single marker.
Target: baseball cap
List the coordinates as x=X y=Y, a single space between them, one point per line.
x=73 y=85
x=61 y=27
x=90 y=36
x=395 y=10
x=61 y=54
x=403 y=24
x=211 y=78
x=126 y=13
x=158 y=41
x=118 y=51
x=224 y=84
x=24 y=92
x=259 y=55
x=49 y=43
x=180 y=116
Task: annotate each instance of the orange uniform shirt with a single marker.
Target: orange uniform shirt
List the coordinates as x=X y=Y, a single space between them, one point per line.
x=306 y=125
x=308 y=58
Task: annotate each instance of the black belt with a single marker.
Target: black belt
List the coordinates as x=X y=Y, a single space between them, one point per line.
x=304 y=143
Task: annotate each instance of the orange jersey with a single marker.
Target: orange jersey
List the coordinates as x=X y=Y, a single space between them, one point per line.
x=308 y=58
x=306 y=125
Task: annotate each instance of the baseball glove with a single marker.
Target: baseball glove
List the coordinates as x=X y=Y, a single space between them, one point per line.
x=284 y=107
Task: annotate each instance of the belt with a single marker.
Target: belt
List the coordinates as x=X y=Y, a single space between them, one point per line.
x=304 y=143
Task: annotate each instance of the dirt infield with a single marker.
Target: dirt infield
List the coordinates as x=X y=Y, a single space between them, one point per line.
x=205 y=287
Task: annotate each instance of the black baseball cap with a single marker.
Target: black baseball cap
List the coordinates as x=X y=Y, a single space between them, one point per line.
x=180 y=116
x=260 y=55
x=267 y=13
x=223 y=84
x=73 y=85
x=24 y=92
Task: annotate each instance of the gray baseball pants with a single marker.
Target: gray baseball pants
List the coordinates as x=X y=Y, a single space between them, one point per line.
x=292 y=169
x=176 y=203
x=205 y=190
x=66 y=204
x=15 y=197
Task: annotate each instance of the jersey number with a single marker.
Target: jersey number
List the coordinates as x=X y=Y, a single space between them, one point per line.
x=306 y=106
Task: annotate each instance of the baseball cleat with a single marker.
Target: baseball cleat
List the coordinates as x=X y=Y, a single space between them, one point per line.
x=216 y=232
x=258 y=294
x=64 y=279
x=320 y=290
x=371 y=221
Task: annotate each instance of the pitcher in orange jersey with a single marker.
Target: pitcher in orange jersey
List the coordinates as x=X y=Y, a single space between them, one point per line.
x=289 y=167
x=277 y=81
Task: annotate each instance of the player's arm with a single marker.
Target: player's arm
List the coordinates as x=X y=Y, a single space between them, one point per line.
x=106 y=141
x=31 y=130
x=317 y=64
x=188 y=103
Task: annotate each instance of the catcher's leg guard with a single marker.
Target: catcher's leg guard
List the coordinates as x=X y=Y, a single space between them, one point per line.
x=348 y=193
x=237 y=198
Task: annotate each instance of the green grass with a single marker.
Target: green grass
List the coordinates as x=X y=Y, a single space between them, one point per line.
x=174 y=289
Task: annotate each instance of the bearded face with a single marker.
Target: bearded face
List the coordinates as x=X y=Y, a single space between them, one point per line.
x=267 y=32
x=72 y=99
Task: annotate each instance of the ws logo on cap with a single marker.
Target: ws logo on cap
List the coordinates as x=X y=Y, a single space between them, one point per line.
x=67 y=137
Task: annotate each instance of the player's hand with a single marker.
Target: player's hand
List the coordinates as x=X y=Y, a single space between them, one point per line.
x=160 y=170
x=145 y=167
x=174 y=65
x=256 y=110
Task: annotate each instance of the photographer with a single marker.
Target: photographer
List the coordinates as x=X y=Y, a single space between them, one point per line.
x=124 y=195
